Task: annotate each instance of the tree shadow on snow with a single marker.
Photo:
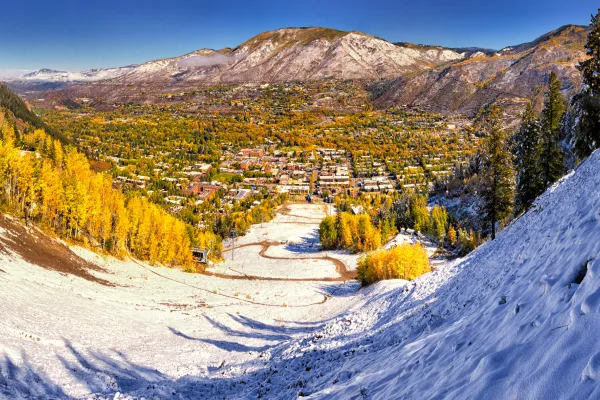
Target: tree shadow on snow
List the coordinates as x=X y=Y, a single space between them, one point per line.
x=339 y=290
x=287 y=373
x=103 y=373
x=308 y=245
x=23 y=381
x=222 y=344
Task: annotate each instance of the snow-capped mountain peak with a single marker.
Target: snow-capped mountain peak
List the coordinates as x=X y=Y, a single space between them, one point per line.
x=51 y=75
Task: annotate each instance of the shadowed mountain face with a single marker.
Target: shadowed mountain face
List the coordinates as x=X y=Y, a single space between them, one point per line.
x=509 y=77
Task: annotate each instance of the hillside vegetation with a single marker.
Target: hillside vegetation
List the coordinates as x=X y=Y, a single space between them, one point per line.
x=53 y=186
x=10 y=101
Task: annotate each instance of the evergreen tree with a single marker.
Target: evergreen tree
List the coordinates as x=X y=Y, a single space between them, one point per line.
x=419 y=214
x=497 y=190
x=551 y=153
x=587 y=131
x=527 y=161
x=439 y=223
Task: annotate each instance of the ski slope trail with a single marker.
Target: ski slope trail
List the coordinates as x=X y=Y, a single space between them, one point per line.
x=518 y=318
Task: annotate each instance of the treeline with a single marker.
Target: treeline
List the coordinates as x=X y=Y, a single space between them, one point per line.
x=585 y=115
x=54 y=187
x=539 y=153
x=508 y=172
x=383 y=216
x=355 y=233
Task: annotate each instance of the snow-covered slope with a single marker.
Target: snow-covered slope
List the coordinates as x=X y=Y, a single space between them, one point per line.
x=518 y=319
x=509 y=321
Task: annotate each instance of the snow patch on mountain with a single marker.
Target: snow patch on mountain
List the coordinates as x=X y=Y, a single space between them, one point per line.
x=90 y=75
x=293 y=54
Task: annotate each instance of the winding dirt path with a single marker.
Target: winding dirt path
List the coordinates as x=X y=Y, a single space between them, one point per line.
x=340 y=267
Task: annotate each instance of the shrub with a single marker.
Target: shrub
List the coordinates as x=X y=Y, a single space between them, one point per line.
x=406 y=261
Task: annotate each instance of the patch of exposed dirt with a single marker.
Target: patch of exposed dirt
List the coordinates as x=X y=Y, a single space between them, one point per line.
x=37 y=248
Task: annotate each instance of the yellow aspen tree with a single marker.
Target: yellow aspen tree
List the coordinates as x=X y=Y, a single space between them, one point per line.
x=49 y=194
x=25 y=183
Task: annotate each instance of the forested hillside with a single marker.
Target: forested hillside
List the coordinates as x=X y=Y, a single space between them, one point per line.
x=12 y=102
x=52 y=185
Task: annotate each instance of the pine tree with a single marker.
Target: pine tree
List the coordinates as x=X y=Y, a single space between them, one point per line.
x=527 y=161
x=497 y=190
x=328 y=233
x=551 y=153
x=439 y=223
x=587 y=132
x=419 y=214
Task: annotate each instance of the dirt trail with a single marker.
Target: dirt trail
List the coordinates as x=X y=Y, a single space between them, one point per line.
x=286 y=210
x=340 y=267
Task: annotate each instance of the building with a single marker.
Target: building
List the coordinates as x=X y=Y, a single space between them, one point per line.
x=251 y=152
x=200 y=190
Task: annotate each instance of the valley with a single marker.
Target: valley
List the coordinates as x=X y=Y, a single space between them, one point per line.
x=304 y=212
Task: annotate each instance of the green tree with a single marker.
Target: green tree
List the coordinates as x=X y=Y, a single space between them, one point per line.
x=328 y=233
x=439 y=223
x=497 y=181
x=419 y=214
x=551 y=154
x=587 y=131
x=527 y=161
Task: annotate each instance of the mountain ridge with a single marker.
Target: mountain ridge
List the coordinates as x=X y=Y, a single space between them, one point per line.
x=428 y=77
x=510 y=77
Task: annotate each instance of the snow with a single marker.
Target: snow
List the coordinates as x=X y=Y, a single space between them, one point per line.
x=286 y=247
x=285 y=56
x=91 y=75
x=514 y=319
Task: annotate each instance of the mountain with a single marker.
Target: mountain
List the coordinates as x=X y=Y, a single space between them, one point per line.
x=22 y=112
x=294 y=54
x=433 y=78
x=50 y=79
x=291 y=54
x=50 y=75
x=510 y=76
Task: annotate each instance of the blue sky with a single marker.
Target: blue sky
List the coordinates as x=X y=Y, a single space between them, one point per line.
x=74 y=35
